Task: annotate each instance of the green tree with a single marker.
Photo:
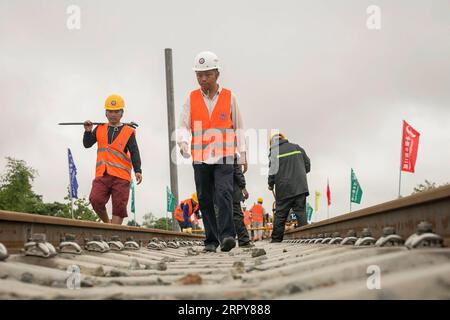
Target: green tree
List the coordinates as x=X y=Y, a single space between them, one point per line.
x=133 y=223
x=55 y=209
x=81 y=209
x=149 y=220
x=426 y=186
x=163 y=223
x=16 y=192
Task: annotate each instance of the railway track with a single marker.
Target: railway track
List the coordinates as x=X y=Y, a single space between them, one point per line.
x=397 y=250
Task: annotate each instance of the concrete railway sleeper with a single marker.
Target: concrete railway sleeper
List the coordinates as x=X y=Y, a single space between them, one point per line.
x=395 y=251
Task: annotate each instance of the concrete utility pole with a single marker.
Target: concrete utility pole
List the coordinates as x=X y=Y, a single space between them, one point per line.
x=171 y=128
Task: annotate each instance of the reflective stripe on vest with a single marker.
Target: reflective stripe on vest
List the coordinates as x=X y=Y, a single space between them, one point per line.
x=111 y=158
x=288 y=154
x=118 y=154
x=211 y=134
x=116 y=165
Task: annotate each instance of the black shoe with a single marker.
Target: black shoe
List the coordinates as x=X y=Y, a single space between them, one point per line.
x=210 y=248
x=276 y=241
x=228 y=244
x=246 y=245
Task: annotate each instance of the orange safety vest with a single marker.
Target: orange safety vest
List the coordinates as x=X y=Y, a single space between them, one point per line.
x=213 y=134
x=111 y=157
x=247 y=218
x=257 y=213
x=179 y=214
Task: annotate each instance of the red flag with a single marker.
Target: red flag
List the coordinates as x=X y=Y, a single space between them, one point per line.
x=328 y=193
x=410 y=146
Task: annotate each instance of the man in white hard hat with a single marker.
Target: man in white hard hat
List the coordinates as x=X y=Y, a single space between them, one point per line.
x=211 y=121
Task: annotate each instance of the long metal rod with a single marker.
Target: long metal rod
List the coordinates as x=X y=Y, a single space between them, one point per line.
x=131 y=124
x=171 y=130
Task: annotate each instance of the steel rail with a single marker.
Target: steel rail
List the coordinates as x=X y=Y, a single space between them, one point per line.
x=403 y=214
x=16 y=228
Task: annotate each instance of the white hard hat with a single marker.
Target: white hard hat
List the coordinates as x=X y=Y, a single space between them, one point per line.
x=206 y=60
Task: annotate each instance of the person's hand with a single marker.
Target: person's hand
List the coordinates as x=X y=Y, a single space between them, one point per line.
x=138 y=177
x=244 y=167
x=270 y=188
x=184 y=150
x=245 y=193
x=88 y=126
x=244 y=163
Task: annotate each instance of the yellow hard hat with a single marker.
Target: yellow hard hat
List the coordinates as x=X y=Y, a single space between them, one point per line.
x=282 y=136
x=194 y=197
x=260 y=200
x=114 y=102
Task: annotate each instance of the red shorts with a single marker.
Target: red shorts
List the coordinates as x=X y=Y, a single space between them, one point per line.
x=109 y=186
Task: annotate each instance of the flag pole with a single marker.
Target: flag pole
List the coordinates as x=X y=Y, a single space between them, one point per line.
x=71 y=204
x=167 y=222
x=351 y=186
x=328 y=204
x=400 y=171
x=70 y=188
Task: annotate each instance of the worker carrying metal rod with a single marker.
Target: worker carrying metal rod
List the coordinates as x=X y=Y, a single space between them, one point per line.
x=288 y=166
x=210 y=119
x=117 y=155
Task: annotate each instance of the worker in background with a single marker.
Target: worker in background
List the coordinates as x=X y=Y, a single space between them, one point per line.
x=288 y=166
x=184 y=212
x=269 y=228
x=240 y=194
x=266 y=221
x=247 y=220
x=258 y=212
x=117 y=155
x=211 y=121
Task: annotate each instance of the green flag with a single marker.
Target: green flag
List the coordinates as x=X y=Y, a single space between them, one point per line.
x=170 y=200
x=356 y=191
x=309 y=212
x=133 y=208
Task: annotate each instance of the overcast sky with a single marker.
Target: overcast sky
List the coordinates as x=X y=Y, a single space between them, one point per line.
x=310 y=68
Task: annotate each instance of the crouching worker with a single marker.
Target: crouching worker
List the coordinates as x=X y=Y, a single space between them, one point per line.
x=288 y=167
x=185 y=210
x=117 y=155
